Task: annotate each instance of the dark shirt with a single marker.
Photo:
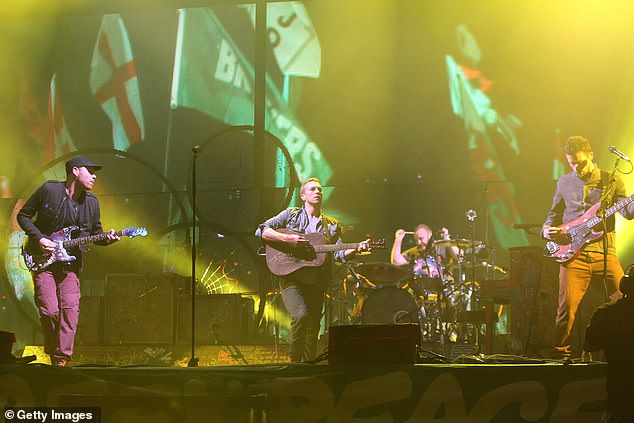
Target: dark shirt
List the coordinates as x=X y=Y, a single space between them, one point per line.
x=574 y=196
x=612 y=329
x=53 y=210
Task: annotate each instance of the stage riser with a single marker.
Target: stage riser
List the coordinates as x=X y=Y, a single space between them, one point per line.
x=303 y=393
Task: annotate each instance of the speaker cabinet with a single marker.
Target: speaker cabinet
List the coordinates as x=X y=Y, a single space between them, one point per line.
x=534 y=282
x=373 y=344
x=90 y=325
x=140 y=308
x=222 y=319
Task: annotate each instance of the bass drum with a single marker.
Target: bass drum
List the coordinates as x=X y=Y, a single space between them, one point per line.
x=389 y=305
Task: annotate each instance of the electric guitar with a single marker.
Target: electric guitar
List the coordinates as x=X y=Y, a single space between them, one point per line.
x=36 y=260
x=283 y=258
x=581 y=231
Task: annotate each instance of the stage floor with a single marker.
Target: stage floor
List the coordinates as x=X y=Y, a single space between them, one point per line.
x=508 y=391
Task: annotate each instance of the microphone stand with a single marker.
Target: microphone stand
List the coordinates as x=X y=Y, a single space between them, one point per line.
x=485 y=238
x=606 y=196
x=193 y=361
x=472 y=218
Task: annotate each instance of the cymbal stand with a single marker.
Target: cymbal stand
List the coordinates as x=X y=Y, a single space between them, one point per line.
x=471 y=301
x=276 y=329
x=350 y=274
x=271 y=297
x=471 y=216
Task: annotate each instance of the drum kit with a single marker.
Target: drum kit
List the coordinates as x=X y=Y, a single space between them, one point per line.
x=429 y=292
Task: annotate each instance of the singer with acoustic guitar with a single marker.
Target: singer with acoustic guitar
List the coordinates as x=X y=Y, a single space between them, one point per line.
x=574 y=230
x=292 y=239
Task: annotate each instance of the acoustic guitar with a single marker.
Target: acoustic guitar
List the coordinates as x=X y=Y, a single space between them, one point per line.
x=283 y=258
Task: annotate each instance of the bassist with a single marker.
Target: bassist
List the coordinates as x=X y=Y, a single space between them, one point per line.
x=303 y=290
x=576 y=193
x=55 y=205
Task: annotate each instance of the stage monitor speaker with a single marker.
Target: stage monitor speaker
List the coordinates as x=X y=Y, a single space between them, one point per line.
x=373 y=344
x=140 y=308
x=221 y=319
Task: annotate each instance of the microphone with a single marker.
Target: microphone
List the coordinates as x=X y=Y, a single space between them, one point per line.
x=196 y=149
x=613 y=150
x=526 y=225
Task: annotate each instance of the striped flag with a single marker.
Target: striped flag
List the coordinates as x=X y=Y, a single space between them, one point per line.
x=114 y=82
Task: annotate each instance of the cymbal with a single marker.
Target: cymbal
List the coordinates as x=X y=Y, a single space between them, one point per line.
x=382 y=272
x=460 y=243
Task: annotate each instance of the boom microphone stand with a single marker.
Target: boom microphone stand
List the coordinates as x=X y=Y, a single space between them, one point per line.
x=193 y=361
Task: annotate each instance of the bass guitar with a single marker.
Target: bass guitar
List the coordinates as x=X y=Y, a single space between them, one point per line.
x=581 y=231
x=36 y=260
x=283 y=258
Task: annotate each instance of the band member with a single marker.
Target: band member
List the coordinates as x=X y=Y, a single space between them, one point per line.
x=576 y=192
x=303 y=290
x=415 y=256
x=612 y=329
x=56 y=205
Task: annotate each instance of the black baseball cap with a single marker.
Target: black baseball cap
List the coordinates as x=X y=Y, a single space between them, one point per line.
x=80 y=161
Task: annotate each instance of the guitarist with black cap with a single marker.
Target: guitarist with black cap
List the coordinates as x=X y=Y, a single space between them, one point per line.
x=304 y=275
x=575 y=231
x=56 y=205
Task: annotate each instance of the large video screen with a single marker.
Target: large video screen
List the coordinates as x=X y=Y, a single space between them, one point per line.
x=448 y=113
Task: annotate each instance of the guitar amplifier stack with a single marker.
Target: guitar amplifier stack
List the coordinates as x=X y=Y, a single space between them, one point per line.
x=155 y=309
x=534 y=287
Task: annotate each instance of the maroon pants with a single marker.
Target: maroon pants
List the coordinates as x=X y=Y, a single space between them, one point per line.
x=57 y=298
x=574 y=279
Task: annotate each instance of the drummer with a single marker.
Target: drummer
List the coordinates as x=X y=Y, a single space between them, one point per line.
x=426 y=259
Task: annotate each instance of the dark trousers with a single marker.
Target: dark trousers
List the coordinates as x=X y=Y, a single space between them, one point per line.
x=304 y=303
x=574 y=279
x=57 y=298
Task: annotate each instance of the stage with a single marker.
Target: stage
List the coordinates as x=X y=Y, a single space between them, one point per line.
x=500 y=390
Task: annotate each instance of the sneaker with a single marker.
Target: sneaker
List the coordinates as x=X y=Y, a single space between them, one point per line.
x=59 y=362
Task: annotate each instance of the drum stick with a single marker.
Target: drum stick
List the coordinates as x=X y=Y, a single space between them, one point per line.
x=408 y=233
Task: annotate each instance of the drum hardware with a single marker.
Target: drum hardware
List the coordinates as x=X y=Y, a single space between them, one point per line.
x=358 y=282
x=379 y=273
x=460 y=243
x=444 y=302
